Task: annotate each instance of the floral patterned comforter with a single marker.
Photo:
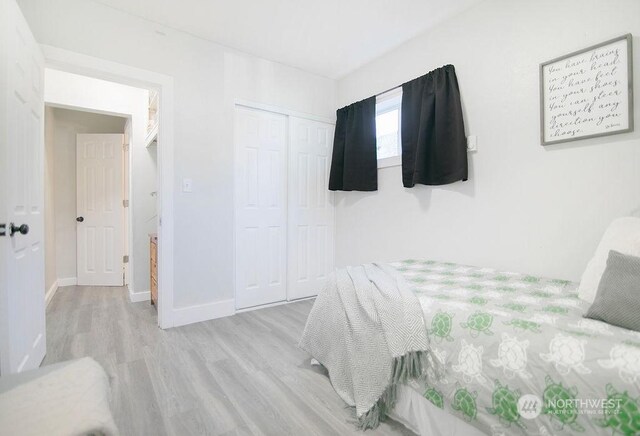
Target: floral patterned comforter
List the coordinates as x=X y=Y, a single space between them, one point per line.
x=505 y=338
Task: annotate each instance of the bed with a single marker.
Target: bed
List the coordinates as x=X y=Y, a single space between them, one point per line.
x=504 y=337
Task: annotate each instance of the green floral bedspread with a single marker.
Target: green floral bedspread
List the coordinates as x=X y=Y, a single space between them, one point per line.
x=502 y=335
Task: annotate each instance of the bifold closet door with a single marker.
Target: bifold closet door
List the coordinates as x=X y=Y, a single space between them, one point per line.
x=261 y=207
x=311 y=209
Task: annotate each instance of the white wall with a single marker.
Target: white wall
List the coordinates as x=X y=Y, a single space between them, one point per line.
x=525 y=207
x=207 y=78
x=61 y=188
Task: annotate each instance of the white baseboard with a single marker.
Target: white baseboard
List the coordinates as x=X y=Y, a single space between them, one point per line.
x=69 y=281
x=203 y=312
x=48 y=296
x=136 y=297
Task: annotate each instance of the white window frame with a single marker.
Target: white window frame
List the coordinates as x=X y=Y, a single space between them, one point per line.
x=387 y=102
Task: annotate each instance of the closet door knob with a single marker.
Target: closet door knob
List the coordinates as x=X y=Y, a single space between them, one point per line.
x=80 y=219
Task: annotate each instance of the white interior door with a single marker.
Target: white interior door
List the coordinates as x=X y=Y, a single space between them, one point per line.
x=100 y=221
x=311 y=209
x=261 y=207
x=22 y=289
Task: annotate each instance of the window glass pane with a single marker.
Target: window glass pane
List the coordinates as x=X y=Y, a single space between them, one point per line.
x=387 y=134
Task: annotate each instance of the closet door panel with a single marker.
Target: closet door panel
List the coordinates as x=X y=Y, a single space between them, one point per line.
x=261 y=207
x=311 y=208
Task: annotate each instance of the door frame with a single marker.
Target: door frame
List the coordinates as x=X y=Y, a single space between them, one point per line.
x=238 y=102
x=97 y=68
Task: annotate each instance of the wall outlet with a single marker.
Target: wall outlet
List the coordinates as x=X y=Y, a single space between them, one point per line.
x=472 y=143
x=187 y=185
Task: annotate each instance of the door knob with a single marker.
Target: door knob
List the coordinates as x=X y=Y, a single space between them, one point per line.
x=3 y=229
x=23 y=229
x=80 y=219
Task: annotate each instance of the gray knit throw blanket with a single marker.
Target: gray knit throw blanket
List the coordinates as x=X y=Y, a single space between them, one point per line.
x=366 y=327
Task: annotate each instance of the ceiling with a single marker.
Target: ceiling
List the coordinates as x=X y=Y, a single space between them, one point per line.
x=327 y=37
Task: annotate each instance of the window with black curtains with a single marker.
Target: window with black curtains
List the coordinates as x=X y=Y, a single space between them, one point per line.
x=434 y=150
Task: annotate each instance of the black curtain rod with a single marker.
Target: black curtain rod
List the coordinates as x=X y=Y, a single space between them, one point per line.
x=378 y=94
x=400 y=86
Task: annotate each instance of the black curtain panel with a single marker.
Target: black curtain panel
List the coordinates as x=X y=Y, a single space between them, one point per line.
x=354 y=165
x=434 y=146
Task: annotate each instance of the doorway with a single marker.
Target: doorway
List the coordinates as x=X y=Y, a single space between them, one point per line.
x=115 y=212
x=71 y=62
x=83 y=189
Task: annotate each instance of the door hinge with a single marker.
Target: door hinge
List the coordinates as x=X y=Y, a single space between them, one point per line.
x=125 y=203
x=125 y=259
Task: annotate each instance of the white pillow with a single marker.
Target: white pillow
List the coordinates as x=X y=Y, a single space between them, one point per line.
x=622 y=235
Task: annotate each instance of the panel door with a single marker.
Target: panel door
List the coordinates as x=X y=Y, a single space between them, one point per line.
x=261 y=207
x=100 y=223
x=22 y=289
x=311 y=208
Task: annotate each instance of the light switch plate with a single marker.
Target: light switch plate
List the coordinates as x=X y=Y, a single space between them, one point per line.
x=472 y=143
x=187 y=185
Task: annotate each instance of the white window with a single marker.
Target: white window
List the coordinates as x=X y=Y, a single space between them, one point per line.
x=389 y=147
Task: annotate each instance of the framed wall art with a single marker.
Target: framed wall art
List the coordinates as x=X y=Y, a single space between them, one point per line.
x=587 y=93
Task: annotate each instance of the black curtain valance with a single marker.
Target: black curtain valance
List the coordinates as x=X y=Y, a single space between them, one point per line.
x=354 y=164
x=434 y=145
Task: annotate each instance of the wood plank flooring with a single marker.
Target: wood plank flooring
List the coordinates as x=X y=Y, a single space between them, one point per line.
x=242 y=375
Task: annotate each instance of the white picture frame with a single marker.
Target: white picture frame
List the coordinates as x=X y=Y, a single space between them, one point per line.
x=587 y=93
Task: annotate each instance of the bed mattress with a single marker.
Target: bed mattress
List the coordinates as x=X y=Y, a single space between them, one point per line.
x=504 y=337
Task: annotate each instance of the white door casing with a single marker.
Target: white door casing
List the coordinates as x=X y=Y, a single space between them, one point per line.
x=261 y=207
x=22 y=289
x=311 y=208
x=126 y=210
x=100 y=237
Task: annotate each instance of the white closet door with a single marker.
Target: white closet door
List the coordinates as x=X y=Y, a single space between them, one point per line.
x=261 y=207
x=311 y=209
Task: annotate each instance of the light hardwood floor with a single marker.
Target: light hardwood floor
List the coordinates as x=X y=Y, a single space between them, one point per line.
x=242 y=375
